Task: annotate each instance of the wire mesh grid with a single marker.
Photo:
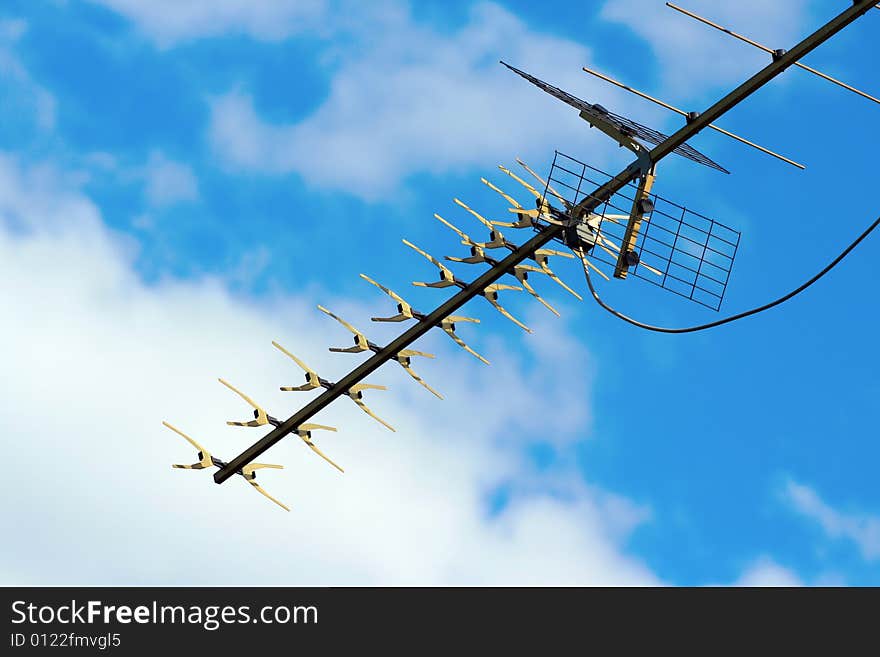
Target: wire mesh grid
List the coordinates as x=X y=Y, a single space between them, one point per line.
x=679 y=250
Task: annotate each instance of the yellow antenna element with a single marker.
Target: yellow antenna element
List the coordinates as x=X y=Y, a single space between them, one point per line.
x=249 y=474
x=543 y=210
x=448 y=326
x=522 y=275
x=522 y=182
x=356 y=395
x=541 y=256
x=411 y=352
x=742 y=140
x=503 y=195
x=301 y=364
x=447 y=278
x=525 y=216
x=477 y=215
x=260 y=417
x=405 y=359
x=367 y=386
x=405 y=310
x=525 y=219
x=553 y=252
x=478 y=257
x=543 y=182
x=491 y=295
x=204 y=455
x=465 y=239
x=361 y=343
x=313 y=381
x=304 y=431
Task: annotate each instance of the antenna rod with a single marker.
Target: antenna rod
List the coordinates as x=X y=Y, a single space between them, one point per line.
x=590 y=203
x=602 y=76
x=760 y=46
x=765 y=75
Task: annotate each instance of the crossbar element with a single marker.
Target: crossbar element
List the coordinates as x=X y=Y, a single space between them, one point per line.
x=659 y=102
x=770 y=51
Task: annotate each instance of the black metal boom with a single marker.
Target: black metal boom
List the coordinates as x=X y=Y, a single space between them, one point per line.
x=605 y=192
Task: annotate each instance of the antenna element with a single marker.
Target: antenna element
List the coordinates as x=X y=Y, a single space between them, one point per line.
x=657 y=101
x=775 y=53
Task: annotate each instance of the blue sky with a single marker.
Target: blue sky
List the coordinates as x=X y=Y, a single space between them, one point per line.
x=224 y=167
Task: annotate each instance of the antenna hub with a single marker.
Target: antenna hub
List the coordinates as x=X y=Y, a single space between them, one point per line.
x=778 y=54
x=692 y=116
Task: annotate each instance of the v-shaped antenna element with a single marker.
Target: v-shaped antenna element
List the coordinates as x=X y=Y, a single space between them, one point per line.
x=313 y=381
x=447 y=278
x=260 y=416
x=407 y=312
x=356 y=394
x=206 y=460
x=250 y=475
x=304 y=431
x=362 y=343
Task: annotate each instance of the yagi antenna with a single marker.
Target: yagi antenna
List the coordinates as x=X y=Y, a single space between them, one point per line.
x=655 y=239
x=688 y=116
x=775 y=53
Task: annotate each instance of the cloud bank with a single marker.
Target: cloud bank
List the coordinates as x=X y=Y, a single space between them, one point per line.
x=861 y=529
x=419 y=100
x=95 y=359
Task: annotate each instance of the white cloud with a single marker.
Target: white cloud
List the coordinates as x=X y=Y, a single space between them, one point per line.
x=95 y=359
x=169 y=22
x=861 y=528
x=23 y=97
x=693 y=58
x=420 y=100
x=766 y=572
x=168 y=182
x=165 y=182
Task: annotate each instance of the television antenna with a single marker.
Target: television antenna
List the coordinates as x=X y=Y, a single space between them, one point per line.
x=582 y=221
